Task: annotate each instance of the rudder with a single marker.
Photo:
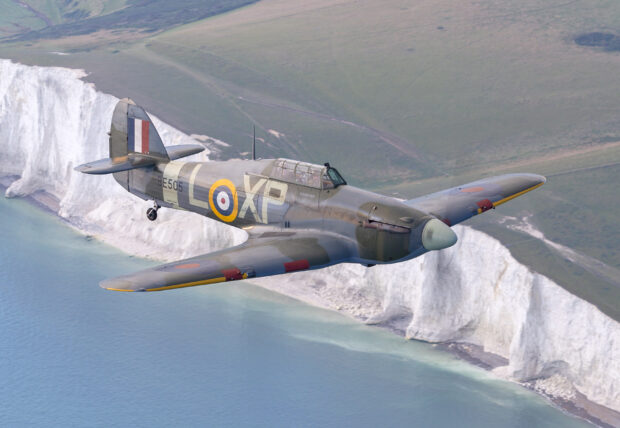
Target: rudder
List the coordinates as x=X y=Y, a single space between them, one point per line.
x=132 y=131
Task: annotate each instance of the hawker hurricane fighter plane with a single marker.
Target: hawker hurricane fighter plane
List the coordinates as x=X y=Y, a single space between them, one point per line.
x=298 y=216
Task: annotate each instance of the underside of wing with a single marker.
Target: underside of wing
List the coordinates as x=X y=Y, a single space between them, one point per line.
x=462 y=202
x=270 y=253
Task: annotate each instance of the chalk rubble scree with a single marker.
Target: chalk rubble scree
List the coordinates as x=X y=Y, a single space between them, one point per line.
x=474 y=292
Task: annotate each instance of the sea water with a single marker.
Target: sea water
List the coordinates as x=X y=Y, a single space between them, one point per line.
x=73 y=354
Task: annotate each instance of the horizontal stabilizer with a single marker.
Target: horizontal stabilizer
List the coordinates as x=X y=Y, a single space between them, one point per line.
x=109 y=166
x=183 y=150
x=136 y=160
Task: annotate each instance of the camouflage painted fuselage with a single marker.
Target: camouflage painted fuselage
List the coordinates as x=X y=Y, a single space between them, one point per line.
x=244 y=194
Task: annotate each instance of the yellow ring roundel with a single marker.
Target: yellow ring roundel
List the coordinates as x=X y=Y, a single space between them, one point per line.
x=223 y=200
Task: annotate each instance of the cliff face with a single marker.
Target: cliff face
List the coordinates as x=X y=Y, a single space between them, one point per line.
x=474 y=292
x=50 y=122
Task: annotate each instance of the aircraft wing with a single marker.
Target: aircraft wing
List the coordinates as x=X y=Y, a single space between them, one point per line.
x=269 y=253
x=462 y=202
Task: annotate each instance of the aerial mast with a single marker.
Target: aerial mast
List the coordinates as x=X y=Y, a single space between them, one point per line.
x=254 y=143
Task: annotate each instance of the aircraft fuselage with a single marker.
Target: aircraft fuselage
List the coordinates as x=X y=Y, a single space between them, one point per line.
x=245 y=194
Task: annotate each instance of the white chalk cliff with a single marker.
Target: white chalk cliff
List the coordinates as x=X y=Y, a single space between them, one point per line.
x=474 y=292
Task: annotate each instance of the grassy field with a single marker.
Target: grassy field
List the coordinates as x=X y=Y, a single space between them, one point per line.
x=403 y=97
x=40 y=19
x=15 y=19
x=456 y=89
x=20 y=17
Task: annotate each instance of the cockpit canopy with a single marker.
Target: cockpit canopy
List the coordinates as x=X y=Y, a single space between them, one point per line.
x=307 y=174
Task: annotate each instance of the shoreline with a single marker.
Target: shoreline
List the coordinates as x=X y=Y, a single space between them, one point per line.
x=579 y=406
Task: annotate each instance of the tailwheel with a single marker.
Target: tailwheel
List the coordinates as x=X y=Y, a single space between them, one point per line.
x=151 y=213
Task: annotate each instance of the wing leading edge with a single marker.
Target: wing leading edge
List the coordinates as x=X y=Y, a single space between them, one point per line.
x=271 y=253
x=462 y=202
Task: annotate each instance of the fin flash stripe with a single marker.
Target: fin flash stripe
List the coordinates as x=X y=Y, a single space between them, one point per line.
x=137 y=135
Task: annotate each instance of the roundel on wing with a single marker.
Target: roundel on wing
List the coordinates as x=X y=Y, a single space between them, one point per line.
x=223 y=200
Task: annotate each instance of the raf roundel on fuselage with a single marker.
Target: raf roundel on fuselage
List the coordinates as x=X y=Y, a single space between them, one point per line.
x=223 y=200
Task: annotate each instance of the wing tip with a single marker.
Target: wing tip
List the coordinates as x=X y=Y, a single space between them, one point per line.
x=116 y=285
x=85 y=167
x=540 y=179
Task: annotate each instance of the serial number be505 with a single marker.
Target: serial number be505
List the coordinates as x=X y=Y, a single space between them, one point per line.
x=169 y=183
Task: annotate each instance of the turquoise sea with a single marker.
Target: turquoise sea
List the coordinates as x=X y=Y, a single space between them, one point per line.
x=73 y=354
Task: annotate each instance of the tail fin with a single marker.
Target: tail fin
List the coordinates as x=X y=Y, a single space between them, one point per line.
x=132 y=131
x=134 y=143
